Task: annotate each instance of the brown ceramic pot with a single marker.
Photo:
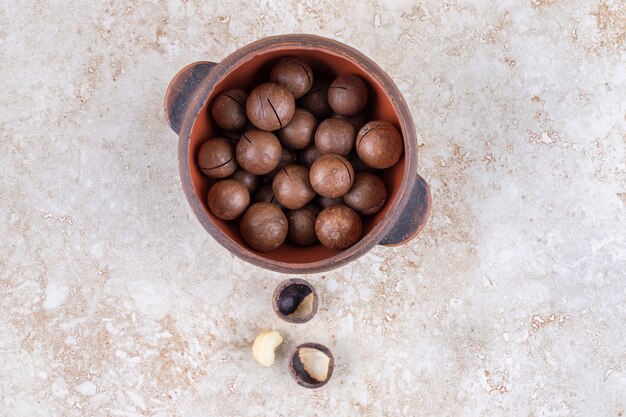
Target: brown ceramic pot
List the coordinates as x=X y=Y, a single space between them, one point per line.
x=192 y=92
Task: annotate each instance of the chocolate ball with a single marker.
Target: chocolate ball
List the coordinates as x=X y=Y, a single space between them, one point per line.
x=335 y=136
x=379 y=144
x=358 y=121
x=287 y=157
x=338 y=227
x=331 y=175
x=265 y=194
x=228 y=199
x=270 y=106
x=302 y=225
x=325 y=202
x=229 y=109
x=316 y=99
x=263 y=227
x=258 y=152
x=248 y=179
x=216 y=158
x=292 y=187
x=299 y=132
x=347 y=95
x=367 y=195
x=309 y=155
x=294 y=74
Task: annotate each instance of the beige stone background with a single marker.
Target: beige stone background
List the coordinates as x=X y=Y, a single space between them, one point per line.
x=512 y=302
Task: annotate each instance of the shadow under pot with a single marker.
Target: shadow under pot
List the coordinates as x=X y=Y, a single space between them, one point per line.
x=295 y=301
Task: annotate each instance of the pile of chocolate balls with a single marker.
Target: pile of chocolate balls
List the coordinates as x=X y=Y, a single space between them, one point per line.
x=302 y=144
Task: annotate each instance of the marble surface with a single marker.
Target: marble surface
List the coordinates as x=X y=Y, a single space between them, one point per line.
x=512 y=302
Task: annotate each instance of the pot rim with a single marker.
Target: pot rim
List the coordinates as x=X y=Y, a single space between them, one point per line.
x=332 y=47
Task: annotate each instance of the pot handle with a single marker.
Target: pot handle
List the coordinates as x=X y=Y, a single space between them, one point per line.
x=181 y=90
x=414 y=216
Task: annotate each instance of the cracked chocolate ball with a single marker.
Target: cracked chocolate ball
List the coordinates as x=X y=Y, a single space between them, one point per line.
x=379 y=144
x=270 y=106
x=248 y=179
x=264 y=227
x=338 y=227
x=294 y=74
x=331 y=175
x=229 y=109
x=216 y=158
x=302 y=225
x=292 y=187
x=335 y=136
x=309 y=155
x=287 y=157
x=258 y=152
x=358 y=121
x=367 y=195
x=299 y=132
x=228 y=199
x=316 y=99
x=347 y=95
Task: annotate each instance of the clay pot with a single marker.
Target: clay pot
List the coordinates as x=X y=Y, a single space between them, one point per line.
x=187 y=110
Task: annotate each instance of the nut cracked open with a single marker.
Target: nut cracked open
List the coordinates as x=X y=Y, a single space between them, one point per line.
x=311 y=365
x=295 y=301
